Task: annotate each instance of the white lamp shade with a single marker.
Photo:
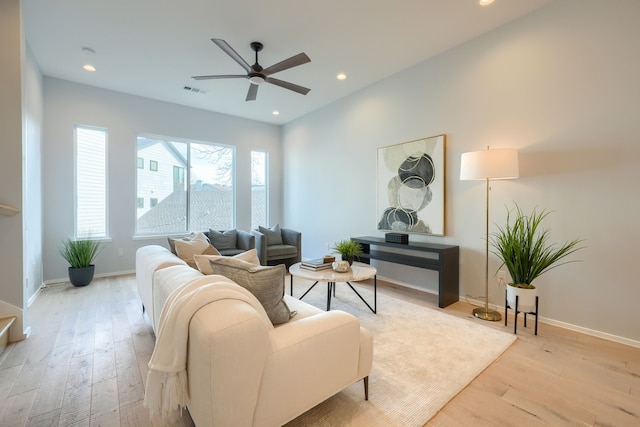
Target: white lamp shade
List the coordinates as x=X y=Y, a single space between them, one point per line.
x=500 y=163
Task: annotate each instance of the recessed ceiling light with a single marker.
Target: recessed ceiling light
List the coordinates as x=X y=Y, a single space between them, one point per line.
x=88 y=67
x=485 y=2
x=341 y=76
x=276 y=113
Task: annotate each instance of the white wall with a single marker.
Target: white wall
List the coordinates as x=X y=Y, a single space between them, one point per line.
x=561 y=85
x=11 y=105
x=20 y=171
x=125 y=116
x=32 y=176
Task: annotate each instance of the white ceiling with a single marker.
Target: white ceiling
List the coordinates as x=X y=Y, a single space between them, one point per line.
x=151 y=48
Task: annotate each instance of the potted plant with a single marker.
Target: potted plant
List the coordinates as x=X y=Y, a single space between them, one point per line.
x=524 y=249
x=80 y=255
x=348 y=249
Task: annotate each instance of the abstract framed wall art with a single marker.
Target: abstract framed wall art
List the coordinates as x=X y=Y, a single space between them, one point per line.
x=411 y=186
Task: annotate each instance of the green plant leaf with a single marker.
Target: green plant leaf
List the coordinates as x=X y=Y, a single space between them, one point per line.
x=80 y=253
x=348 y=248
x=522 y=245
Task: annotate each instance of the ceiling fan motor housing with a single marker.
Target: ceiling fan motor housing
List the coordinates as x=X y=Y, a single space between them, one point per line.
x=257 y=78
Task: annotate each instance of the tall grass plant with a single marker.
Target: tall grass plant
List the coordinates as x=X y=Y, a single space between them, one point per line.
x=524 y=249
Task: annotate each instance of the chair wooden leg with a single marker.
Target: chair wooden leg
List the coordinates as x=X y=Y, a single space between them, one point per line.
x=366 y=387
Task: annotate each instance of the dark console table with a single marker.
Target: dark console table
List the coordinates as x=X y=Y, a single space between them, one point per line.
x=446 y=263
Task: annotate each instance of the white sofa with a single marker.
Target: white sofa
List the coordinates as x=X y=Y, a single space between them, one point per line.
x=242 y=370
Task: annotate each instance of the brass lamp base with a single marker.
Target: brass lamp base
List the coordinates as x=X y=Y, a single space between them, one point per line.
x=485 y=314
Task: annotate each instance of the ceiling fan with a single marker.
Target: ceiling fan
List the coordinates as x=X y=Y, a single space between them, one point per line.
x=256 y=74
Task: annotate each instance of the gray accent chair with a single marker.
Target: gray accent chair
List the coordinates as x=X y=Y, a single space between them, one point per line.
x=229 y=246
x=288 y=253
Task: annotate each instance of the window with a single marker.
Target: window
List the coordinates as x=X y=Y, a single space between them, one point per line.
x=178 y=177
x=140 y=202
x=259 y=189
x=153 y=165
x=90 y=182
x=140 y=162
x=194 y=191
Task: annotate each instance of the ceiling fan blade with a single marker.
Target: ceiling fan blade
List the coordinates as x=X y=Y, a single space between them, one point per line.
x=232 y=53
x=300 y=89
x=253 y=91
x=224 y=76
x=294 y=61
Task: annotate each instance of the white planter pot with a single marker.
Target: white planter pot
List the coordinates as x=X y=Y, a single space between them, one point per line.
x=526 y=298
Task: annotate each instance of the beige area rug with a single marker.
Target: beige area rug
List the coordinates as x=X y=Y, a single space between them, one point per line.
x=422 y=358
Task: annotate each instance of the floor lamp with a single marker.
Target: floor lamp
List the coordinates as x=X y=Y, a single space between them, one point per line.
x=488 y=165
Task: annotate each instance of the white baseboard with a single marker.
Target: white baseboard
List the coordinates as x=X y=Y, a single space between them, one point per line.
x=97 y=276
x=558 y=323
x=592 y=332
x=34 y=296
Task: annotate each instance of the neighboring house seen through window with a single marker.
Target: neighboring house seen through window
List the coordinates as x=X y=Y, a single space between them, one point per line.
x=191 y=189
x=90 y=182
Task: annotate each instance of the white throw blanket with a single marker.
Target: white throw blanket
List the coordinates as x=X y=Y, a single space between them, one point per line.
x=167 y=382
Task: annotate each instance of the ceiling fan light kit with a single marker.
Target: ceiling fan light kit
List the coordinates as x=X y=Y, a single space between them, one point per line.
x=256 y=74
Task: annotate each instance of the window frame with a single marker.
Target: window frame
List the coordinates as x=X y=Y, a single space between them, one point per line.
x=187 y=178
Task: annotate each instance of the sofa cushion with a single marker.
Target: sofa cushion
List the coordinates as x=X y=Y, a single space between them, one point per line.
x=202 y=261
x=231 y=252
x=223 y=240
x=172 y=241
x=197 y=246
x=265 y=283
x=273 y=234
x=281 y=251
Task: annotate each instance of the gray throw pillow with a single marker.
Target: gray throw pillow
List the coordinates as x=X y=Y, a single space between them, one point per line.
x=265 y=283
x=273 y=235
x=223 y=240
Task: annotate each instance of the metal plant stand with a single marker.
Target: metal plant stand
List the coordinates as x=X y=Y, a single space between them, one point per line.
x=515 y=325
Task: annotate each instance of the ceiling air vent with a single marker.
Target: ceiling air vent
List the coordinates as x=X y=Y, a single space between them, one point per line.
x=193 y=89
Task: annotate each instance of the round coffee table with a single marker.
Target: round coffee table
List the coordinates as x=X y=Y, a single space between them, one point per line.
x=358 y=271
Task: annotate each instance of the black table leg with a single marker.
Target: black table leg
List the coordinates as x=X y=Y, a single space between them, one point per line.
x=375 y=292
x=307 y=291
x=331 y=287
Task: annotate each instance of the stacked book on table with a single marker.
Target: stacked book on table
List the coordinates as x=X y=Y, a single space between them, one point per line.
x=315 y=264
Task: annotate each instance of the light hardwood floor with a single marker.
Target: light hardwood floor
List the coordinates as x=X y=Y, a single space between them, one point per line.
x=85 y=364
